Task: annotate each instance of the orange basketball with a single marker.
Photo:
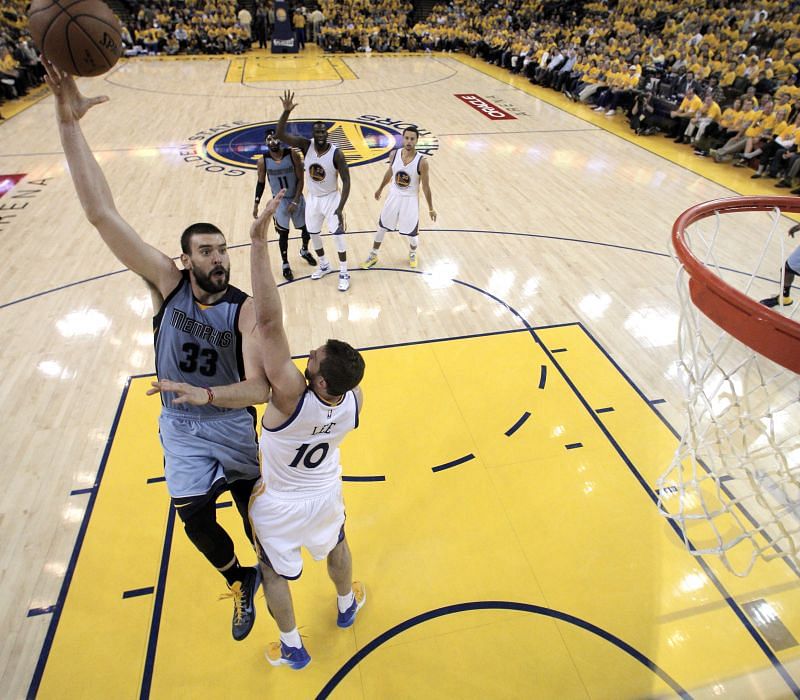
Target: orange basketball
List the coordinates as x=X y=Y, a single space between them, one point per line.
x=81 y=37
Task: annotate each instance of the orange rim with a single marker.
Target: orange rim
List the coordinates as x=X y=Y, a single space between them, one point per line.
x=767 y=332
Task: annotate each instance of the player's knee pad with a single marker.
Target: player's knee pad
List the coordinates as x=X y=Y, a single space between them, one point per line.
x=208 y=536
x=380 y=233
x=316 y=241
x=338 y=238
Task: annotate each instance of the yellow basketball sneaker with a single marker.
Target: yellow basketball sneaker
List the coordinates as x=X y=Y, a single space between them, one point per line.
x=371 y=261
x=412 y=258
x=772 y=302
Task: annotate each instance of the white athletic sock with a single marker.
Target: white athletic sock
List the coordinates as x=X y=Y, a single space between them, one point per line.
x=345 y=601
x=323 y=261
x=292 y=639
x=343 y=267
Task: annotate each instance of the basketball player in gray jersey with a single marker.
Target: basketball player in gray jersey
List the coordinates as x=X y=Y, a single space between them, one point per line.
x=283 y=167
x=324 y=163
x=298 y=504
x=204 y=334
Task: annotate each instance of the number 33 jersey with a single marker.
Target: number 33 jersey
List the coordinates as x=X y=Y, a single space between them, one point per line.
x=198 y=344
x=300 y=458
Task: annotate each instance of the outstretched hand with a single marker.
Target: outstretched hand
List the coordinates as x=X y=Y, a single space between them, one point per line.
x=288 y=101
x=260 y=227
x=184 y=393
x=71 y=105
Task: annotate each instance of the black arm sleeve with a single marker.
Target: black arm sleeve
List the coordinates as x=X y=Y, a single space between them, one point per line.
x=260 y=190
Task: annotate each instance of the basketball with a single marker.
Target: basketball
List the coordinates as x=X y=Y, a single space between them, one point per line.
x=81 y=37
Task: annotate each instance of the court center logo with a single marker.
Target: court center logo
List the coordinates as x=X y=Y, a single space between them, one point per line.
x=233 y=148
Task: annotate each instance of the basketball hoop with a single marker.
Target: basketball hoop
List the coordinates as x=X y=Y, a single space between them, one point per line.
x=734 y=483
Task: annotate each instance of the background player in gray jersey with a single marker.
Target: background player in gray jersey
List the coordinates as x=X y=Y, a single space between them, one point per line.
x=205 y=280
x=283 y=168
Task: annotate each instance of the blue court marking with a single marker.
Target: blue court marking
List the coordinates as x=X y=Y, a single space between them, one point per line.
x=136 y=592
x=363 y=478
x=158 y=605
x=574 y=445
x=653 y=402
x=367 y=649
x=224 y=504
x=565 y=239
x=156 y=479
x=607 y=409
x=73 y=560
x=34 y=612
x=725 y=478
x=78 y=492
x=542 y=376
x=752 y=520
x=514 y=428
x=558 y=350
x=454 y=463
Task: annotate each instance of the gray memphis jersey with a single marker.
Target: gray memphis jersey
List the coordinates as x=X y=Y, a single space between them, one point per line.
x=281 y=173
x=198 y=344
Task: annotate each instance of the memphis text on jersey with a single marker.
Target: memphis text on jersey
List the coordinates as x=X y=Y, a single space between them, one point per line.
x=179 y=320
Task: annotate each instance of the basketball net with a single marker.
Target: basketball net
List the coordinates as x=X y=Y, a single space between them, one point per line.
x=733 y=486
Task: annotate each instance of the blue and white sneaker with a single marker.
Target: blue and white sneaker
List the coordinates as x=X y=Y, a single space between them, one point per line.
x=346 y=618
x=279 y=653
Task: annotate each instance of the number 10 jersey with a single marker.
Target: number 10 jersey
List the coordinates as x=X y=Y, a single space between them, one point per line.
x=300 y=459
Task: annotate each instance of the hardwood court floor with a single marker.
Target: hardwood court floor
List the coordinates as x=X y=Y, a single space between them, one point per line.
x=538 y=567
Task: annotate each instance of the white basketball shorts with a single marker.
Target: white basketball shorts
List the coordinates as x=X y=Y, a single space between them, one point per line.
x=321 y=209
x=283 y=525
x=401 y=214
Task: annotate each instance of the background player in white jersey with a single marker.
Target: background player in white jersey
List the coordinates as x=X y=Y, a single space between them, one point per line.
x=203 y=334
x=324 y=202
x=283 y=167
x=299 y=500
x=407 y=171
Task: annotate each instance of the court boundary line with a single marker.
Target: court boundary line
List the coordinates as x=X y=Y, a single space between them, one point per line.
x=63 y=592
x=519 y=234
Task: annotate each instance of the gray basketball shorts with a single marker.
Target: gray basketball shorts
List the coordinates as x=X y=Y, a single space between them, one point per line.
x=298 y=218
x=794 y=260
x=200 y=455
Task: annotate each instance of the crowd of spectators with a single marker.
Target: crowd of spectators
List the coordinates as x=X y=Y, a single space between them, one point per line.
x=20 y=65
x=366 y=25
x=719 y=76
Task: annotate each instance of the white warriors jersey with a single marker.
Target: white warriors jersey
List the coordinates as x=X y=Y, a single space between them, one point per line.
x=405 y=178
x=301 y=457
x=320 y=171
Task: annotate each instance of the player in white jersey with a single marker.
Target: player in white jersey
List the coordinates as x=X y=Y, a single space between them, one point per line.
x=407 y=171
x=298 y=502
x=324 y=165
